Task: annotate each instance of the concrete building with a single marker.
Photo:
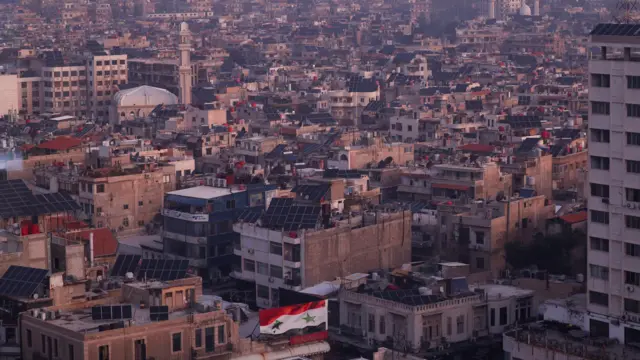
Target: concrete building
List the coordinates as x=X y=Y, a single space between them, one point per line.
x=10 y=103
x=614 y=212
x=198 y=223
x=65 y=89
x=106 y=73
x=124 y=199
x=359 y=156
x=32 y=95
x=443 y=312
x=274 y=259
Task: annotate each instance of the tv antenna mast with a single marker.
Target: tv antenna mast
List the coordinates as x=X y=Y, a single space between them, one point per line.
x=626 y=12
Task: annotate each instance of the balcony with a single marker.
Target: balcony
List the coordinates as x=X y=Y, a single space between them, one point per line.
x=293 y=284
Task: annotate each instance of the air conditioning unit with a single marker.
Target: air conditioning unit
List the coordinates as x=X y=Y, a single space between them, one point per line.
x=271 y=280
x=251 y=251
x=631 y=288
x=631 y=205
x=605 y=200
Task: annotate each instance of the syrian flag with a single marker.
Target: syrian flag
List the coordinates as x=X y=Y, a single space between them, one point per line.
x=283 y=319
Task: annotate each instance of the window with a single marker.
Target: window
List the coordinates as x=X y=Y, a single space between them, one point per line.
x=276 y=271
x=29 y=338
x=198 y=336
x=263 y=291
x=98 y=63
x=44 y=343
x=209 y=345
x=631 y=305
x=55 y=347
x=598 y=298
x=71 y=354
x=633 y=110
x=632 y=278
x=600 y=190
x=140 y=222
x=633 y=138
x=125 y=222
x=599 y=163
x=140 y=348
x=263 y=268
x=633 y=82
x=231 y=204
x=599 y=272
x=632 y=222
x=632 y=249
x=599 y=135
x=382 y=325
x=100 y=188
x=493 y=317
x=601 y=80
x=221 y=335
x=103 y=352
x=249 y=265
x=633 y=194
x=176 y=342
x=275 y=248
x=480 y=263
x=503 y=316
x=460 y=324
x=600 y=107
x=126 y=206
x=633 y=166
x=372 y=323
x=599 y=244
x=449 y=326
x=479 y=238
x=600 y=216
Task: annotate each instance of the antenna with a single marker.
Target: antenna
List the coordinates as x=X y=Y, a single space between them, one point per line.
x=626 y=12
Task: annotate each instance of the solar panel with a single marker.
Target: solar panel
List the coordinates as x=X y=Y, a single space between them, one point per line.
x=111 y=312
x=313 y=193
x=18 y=200
x=250 y=215
x=21 y=281
x=159 y=313
x=302 y=217
x=162 y=269
x=125 y=264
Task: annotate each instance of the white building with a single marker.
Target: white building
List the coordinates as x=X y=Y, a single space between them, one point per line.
x=614 y=175
x=9 y=90
x=428 y=319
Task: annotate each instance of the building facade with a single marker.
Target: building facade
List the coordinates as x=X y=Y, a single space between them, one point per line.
x=614 y=178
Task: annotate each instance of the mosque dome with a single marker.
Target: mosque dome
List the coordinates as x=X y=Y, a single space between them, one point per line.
x=145 y=95
x=525 y=10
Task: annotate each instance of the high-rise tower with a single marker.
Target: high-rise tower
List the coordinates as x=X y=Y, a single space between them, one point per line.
x=536 y=7
x=185 y=64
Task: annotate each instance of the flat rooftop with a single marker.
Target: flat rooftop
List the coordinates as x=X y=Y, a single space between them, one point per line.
x=205 y=192
x=80 y=321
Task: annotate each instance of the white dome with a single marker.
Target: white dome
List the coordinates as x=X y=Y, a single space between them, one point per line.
x=144 y=95
x=525 y=10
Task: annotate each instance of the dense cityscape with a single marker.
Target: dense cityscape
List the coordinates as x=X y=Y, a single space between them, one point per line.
x=319 y=180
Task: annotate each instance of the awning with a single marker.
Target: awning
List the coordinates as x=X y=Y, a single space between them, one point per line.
x=450 y=187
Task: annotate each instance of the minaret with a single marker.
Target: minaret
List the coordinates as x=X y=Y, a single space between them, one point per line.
x=492 y=9
x=185 y=64
x=536 y=7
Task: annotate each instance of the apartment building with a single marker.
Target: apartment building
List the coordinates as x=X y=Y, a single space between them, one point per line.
x=65 y=89
x=346 y=106
x=442 y=312
x=274 y=258
x=31 y=93
x=359 y=156
x=454 y=181
x=198 y=223
x=11 y=94
x=614 y=167
x=124 y=199
x=105 y=73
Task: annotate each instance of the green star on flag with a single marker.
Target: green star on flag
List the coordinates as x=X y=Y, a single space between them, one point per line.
x=309 y=318
x=276 y=325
